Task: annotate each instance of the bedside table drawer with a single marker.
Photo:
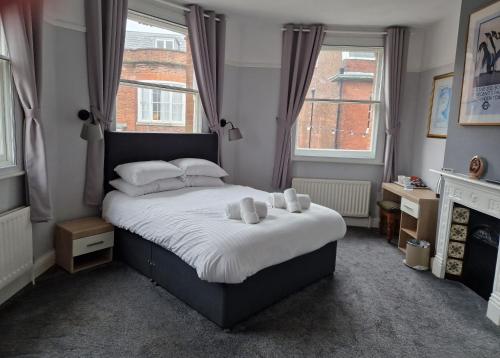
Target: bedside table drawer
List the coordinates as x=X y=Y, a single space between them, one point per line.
x=93 y=243
x=409 y=207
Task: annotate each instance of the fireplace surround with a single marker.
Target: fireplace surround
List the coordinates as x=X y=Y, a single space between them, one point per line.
x=477 y=195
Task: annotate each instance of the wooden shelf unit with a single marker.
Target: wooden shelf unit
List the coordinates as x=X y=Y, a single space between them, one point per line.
x=419 y=211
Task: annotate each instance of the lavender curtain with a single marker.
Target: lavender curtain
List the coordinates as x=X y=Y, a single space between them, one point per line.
x=21 y=22
x=395 y=58
x=207 y=38
x=300 y=50
x=106 y=23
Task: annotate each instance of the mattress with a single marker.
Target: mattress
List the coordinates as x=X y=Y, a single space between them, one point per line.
x=191 y=223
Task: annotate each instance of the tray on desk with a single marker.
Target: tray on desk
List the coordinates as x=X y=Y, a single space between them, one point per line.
x=412 y=187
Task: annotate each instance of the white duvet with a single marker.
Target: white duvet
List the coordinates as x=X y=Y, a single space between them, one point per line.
x=191 y=223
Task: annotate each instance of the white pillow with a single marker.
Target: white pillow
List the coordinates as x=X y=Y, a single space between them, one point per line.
x=154 y=187
x=200 y=180
x=196 y=166
x=141 y=173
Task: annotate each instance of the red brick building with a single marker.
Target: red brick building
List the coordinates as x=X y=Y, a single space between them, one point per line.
x=339 y=75
x=164 y=58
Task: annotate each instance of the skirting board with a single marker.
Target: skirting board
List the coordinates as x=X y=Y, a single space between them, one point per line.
x=368 y=222
x=41 y=265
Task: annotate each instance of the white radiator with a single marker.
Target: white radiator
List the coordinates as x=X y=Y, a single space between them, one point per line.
x=16 y=245
x=348 y=197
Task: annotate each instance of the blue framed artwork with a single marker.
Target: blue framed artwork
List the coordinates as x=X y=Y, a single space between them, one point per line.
x=439 y=113
x=480 y=101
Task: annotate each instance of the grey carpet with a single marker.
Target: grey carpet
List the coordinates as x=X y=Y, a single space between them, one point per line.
x=373 y=307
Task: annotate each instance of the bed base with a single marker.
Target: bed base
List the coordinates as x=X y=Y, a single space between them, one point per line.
x=224 y=304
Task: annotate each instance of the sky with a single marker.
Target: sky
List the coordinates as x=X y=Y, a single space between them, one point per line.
x=133 y=25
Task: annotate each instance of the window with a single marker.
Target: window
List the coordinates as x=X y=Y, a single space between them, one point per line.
x=341 y=112
x=156 y=106
x=168 y=44
x=157 y=90
x=7 y=145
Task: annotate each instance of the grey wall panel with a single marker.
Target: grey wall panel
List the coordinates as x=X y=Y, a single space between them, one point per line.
x=11 y=193
x=427 y=153
x=466 y=141
x=64 y=91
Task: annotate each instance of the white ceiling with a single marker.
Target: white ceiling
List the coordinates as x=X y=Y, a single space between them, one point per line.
x=337 y=12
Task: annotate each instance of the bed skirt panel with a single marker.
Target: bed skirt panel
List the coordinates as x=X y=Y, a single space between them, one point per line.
x=224 y=304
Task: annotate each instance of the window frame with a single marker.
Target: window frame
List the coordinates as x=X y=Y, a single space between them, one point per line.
x=8 y=161
x=164 y=41
x=161 y=122
x=155 y=84
x=373 y=156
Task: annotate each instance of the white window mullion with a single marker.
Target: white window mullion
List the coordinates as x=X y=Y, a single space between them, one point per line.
x=145 y=107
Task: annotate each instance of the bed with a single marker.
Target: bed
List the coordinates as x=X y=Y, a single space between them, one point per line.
x=181 y=241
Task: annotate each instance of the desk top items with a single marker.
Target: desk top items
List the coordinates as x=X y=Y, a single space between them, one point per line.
x=477 y=167
x=411 y=182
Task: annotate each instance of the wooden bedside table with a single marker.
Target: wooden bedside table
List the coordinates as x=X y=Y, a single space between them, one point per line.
x=83 y=243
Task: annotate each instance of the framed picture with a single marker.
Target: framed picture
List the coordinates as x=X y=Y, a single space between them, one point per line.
x=480 y=102
x=439 y=112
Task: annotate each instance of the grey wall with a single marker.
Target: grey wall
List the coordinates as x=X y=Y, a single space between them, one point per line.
x=424 y=153
x=258 y=91
x=428 y=152
x=64 y=92
x=465 y=142
x=12 y=193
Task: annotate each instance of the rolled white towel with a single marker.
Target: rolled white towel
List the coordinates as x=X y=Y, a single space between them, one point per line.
x=277 y=200
x=304 y=200
x=292 y=202
x=233 y=210
x=248 y=211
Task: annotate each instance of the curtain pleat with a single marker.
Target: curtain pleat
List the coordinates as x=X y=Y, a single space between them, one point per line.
x=22 y=26
x=207 y=37
x=300 y=50
x=106 y=23
x=396 y=43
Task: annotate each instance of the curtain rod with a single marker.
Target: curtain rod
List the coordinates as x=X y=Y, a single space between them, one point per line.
x=346 y=32
x=180 y=7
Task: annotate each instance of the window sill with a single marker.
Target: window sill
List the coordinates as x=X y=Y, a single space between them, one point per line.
x=356 y=161
x=160 y=124
x=11 y=173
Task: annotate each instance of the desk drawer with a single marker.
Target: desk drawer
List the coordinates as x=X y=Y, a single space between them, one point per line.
x=93 y=243
x=409 y=207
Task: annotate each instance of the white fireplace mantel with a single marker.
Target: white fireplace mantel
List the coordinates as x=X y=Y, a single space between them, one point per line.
x=475 y=194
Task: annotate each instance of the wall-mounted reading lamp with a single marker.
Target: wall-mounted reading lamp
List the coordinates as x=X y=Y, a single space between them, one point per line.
x=233 y=133
x=91 y=130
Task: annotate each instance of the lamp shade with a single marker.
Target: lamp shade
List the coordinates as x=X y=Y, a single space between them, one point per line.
x=234 y=134
x=91 y=132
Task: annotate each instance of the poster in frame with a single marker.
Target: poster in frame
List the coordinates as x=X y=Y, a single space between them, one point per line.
x=480 y=100
x=439 y=111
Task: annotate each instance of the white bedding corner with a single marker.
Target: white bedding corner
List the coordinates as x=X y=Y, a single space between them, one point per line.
x=191 y=223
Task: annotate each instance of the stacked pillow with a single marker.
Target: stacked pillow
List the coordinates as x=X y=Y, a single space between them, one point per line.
x=200 y=172
x=141 y=178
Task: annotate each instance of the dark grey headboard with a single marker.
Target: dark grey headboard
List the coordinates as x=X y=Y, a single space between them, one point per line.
x=122 y=147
